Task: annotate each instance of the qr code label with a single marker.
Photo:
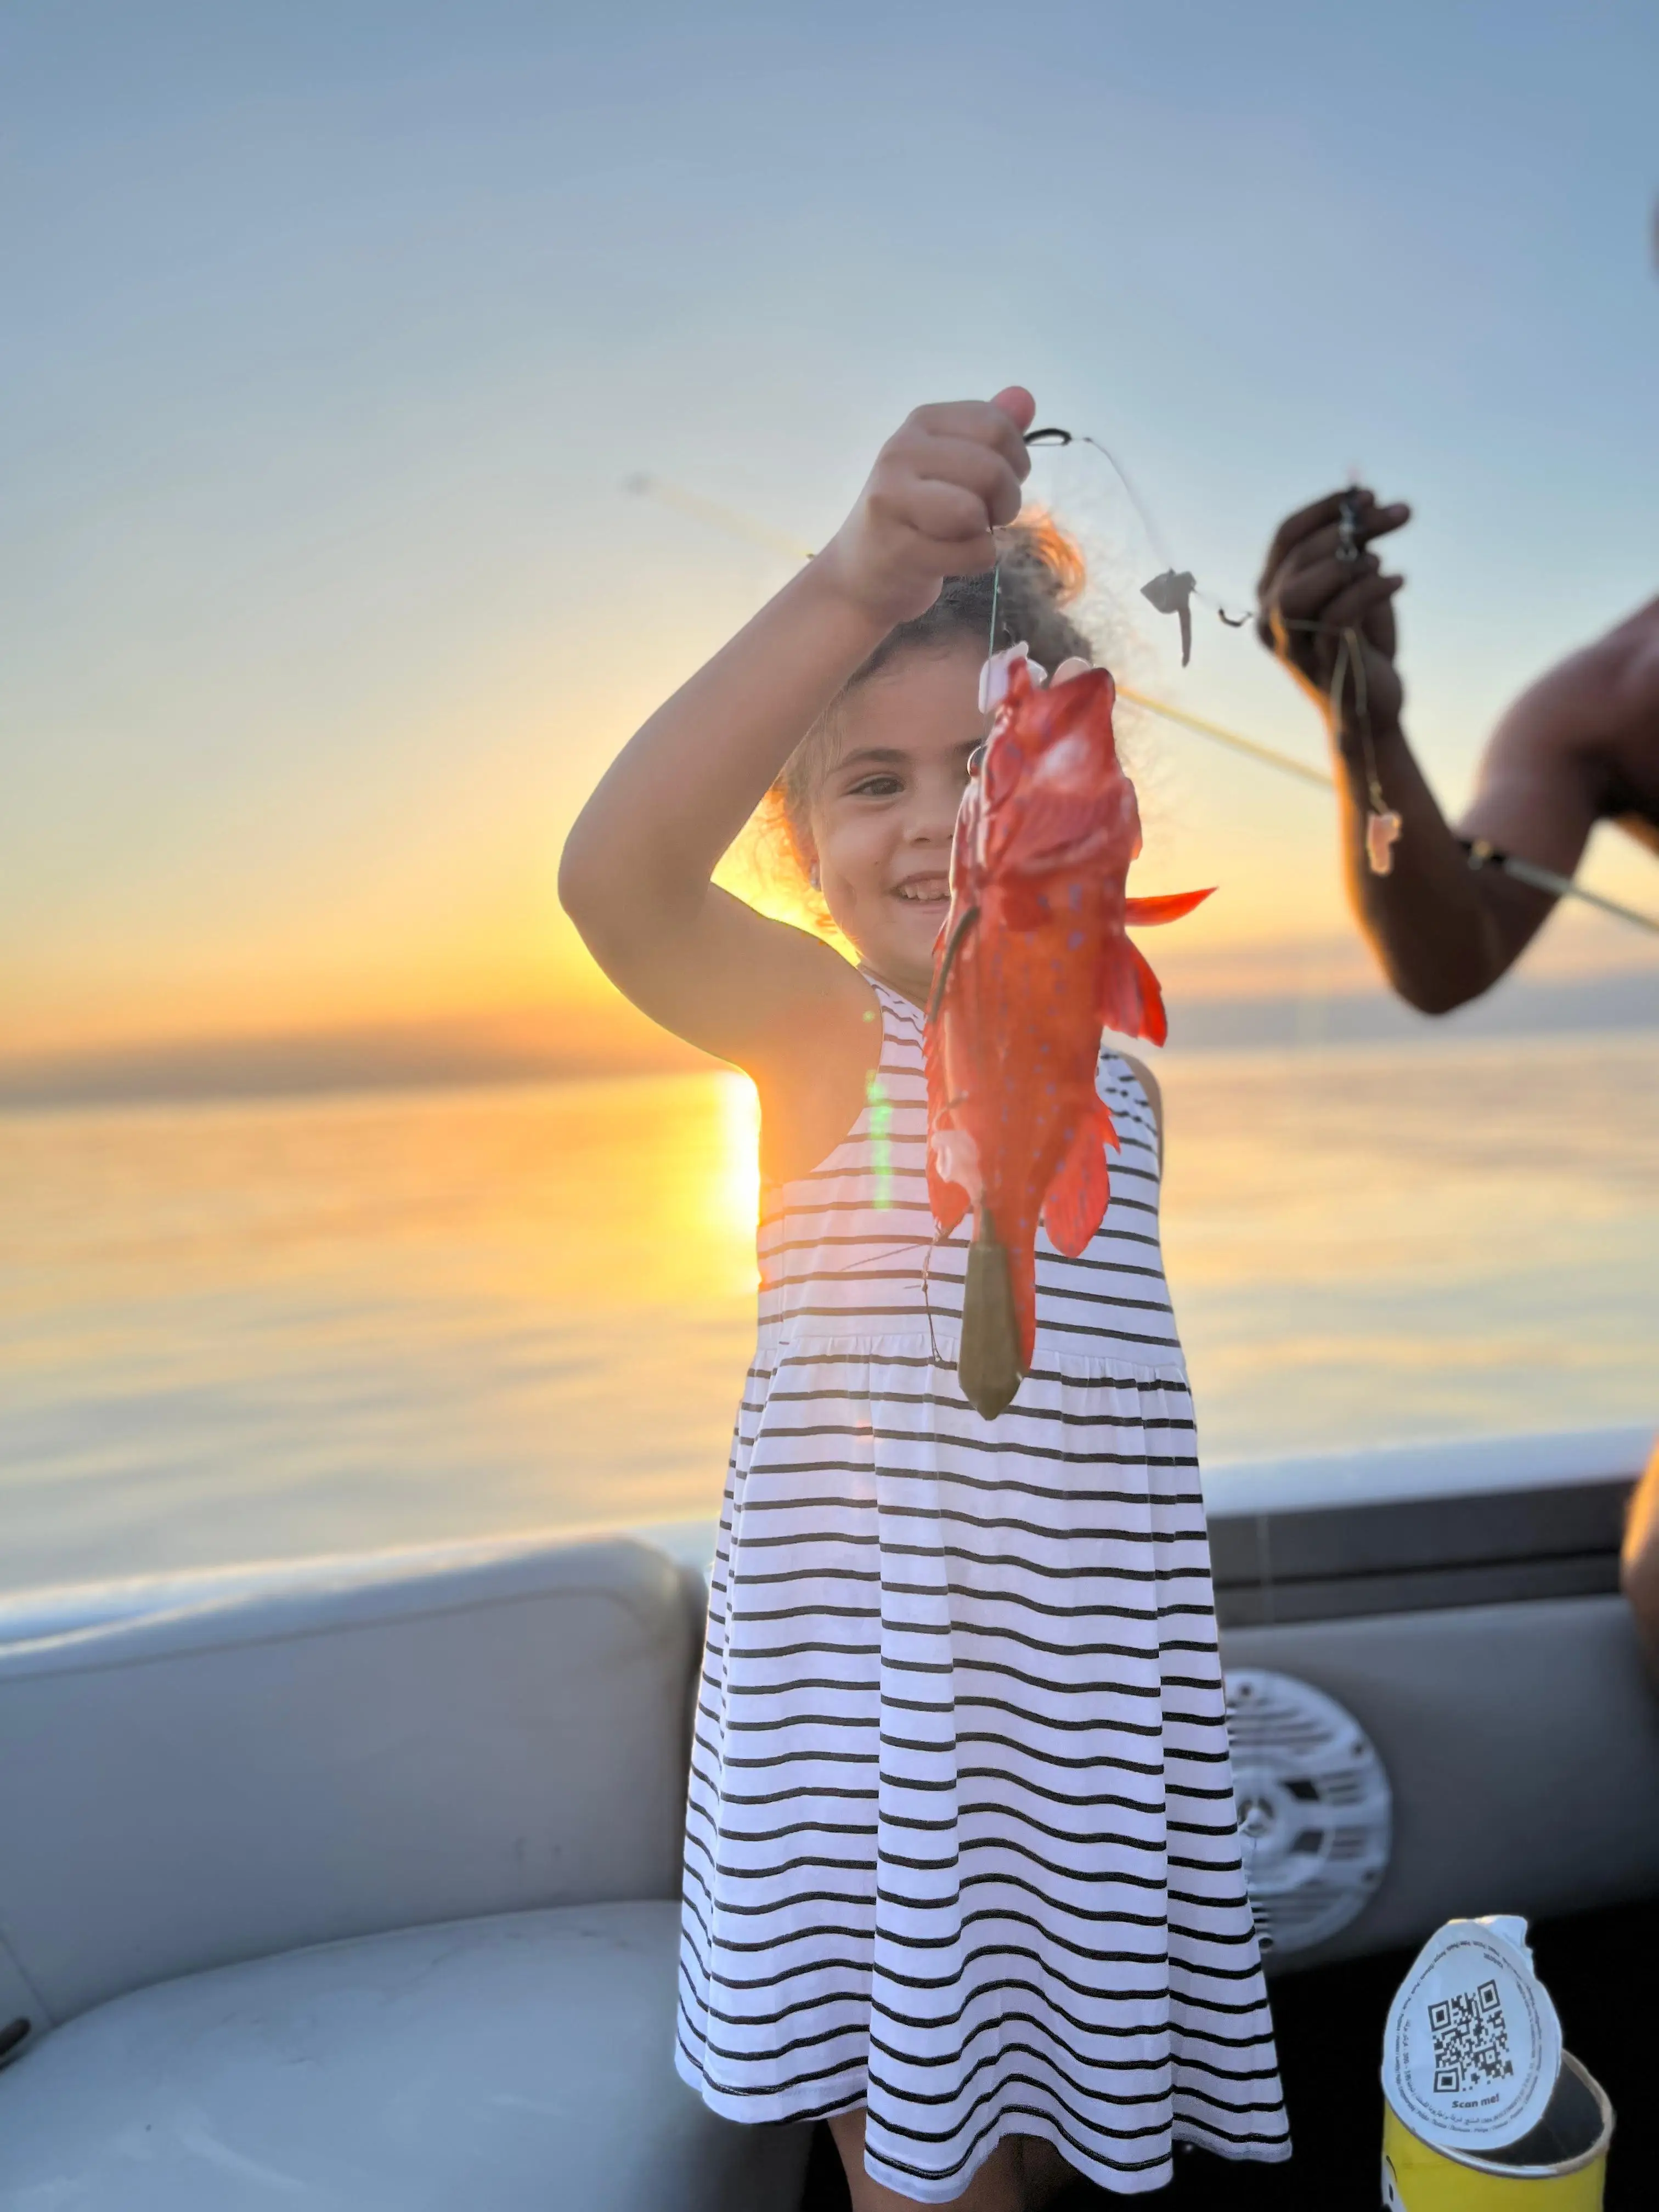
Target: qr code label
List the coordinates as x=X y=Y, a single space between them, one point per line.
x=1471 y=2041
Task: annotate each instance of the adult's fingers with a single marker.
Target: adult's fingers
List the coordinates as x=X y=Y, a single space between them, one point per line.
x=1303 y=646
x=1312 y=530
x=1349 y=609
x=1317 y=602
x=1378 y=627
x=1300 y=594
x=1295 y=527
x=1309 y=642
x=1319 y=544
x=1381 y=519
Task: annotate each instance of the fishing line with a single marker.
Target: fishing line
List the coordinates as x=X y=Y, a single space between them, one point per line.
x=1383 y=825
x=928 y=1247
x=1481 y=853
x=939 y=1237
x=1054 y=436
x=1478 y=851
x=1252 y=748
x=950 y=960
x=1171 y=593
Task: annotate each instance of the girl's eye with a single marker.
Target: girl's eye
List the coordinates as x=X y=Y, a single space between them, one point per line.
x=875 y=786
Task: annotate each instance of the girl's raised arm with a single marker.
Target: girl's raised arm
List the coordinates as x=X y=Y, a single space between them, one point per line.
x=634 y=876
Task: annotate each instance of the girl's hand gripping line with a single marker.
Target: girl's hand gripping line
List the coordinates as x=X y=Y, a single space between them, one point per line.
x=635 y=876
x=939 y=486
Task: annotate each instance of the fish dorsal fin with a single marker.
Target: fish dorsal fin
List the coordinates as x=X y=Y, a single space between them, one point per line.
x=1163 y=906
x=1081 y=1190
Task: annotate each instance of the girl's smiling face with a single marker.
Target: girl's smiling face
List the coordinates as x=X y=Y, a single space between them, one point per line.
x=883 y=811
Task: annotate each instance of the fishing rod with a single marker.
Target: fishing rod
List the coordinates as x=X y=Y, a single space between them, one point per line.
x=1478 y=851
x=1252 y=748
x=736 y=524
x=1483 y=855
x=728 y=518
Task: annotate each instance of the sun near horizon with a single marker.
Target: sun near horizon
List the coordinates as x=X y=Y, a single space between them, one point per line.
x=485 y=971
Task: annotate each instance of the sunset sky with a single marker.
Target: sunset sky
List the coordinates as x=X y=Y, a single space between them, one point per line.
x=334 y=331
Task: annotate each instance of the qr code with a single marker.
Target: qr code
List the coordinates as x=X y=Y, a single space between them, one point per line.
x=1471 y=2042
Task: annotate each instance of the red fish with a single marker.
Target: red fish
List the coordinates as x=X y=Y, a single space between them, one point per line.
x=1031 y=964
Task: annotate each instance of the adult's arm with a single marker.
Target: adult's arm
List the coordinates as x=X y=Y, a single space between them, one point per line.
x=1579 y=745
x=1445 y=932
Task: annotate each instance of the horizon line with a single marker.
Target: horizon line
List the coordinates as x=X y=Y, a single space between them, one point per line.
x=539 y=1046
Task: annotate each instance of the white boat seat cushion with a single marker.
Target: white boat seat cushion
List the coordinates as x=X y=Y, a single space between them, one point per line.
x=517 y=2064
x=386 y=1742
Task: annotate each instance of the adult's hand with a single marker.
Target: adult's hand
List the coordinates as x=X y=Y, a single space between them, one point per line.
x=1428 y=916
x=1308 y=594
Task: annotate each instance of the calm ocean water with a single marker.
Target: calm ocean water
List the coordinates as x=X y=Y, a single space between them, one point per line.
x=240 y=1332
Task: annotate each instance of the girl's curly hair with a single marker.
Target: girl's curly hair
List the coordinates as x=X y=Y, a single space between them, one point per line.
x=1040 y=574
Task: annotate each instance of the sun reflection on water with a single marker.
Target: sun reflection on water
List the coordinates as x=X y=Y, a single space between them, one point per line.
x=734 y=1189
x=229 y=1332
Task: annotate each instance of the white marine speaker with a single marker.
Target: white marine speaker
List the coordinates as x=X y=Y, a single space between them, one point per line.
x=1315 y=1812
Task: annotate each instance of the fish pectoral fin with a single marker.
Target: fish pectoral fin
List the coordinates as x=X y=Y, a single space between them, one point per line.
x=954 y=1181
x=1078 y=1197
x=1165 y=906
x=1130 y=1000
x=948 y=1201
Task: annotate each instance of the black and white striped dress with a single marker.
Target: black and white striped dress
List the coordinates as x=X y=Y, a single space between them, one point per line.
x=961 y=1843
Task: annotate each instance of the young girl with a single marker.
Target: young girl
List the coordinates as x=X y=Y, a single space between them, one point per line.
x=962 y=1871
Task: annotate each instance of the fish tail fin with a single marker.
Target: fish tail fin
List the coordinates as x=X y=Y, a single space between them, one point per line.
x=1081 y=1191
x=1165 y=906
